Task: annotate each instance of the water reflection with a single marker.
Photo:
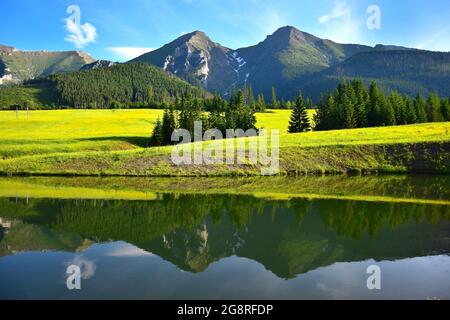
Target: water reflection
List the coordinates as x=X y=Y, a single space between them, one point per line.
x=240 y=246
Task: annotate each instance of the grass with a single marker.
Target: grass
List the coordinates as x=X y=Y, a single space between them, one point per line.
x=106 y=142
x=65 y=131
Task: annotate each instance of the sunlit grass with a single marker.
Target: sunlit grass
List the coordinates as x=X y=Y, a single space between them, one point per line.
x=113 y=142
x=65 y=131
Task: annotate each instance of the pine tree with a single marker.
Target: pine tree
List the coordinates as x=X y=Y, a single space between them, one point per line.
x=251 y=99
x=349 y=113
x=388 y=114
x=434 y=108
x=411 y=117
x=445 y=109
x=299 y=118
x=157 y=138
x=275 y=103
x=420 y=108
x=376 y=101
x=362 y=101
x=261 y=103
x=397 y=103
x=168 y=126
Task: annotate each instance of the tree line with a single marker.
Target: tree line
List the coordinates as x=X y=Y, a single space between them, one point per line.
x=236 y=113
x=354 y=105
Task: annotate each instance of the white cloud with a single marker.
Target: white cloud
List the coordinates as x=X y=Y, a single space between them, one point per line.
x=128 y=53
x=80 y=35
x=340 y=25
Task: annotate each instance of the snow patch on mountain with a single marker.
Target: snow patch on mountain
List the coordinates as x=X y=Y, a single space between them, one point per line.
x=169 y=61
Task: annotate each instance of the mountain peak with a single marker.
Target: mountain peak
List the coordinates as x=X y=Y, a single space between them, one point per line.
x=199 y=35
x=288 y=34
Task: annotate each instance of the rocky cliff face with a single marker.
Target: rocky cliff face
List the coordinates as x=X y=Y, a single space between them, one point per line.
x=197 y=59
x=98 y=64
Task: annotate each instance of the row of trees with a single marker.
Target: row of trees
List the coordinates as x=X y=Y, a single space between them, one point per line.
x=353 y=105
x=233 y=114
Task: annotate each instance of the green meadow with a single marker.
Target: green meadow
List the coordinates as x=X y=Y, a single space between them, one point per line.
x=114 y=143
x=66 y=131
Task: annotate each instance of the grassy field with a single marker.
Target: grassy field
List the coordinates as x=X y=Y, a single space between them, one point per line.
x=60 y=131
x=106 y=142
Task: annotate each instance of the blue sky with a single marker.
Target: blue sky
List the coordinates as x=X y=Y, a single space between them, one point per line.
x=119 y=30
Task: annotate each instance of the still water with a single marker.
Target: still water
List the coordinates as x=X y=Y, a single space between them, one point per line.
x=208 y=246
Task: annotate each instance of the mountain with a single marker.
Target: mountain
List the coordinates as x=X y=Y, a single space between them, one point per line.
x=17 y=65
x=285 y=55
x=407 y=71
x=292 y=60
x=194 y=57
x=98 y=64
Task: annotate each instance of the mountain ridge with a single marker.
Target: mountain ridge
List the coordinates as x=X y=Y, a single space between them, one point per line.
x=285 y=59
x=19 y=65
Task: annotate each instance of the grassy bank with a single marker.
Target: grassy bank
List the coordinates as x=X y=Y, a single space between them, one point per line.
x=423 y=148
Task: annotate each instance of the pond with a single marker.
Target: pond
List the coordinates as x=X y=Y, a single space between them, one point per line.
x=207 y=245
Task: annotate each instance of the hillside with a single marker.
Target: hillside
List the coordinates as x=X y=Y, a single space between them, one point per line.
x=407 y=71
x=17 y=65
x=117 y=86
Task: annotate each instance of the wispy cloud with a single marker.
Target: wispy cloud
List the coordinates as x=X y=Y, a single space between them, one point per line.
x=127 y=53
x=340 y=11
x=434 y=41
x=340 y=25
x=79 y=34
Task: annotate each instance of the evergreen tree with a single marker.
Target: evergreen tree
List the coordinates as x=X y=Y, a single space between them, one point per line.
x=261 y=103
x=251 y=99
x=299 y=118
x=169 y=125
x=157 y=138
x=420 y=108
x=376 y=101
x=387 y=113
x=275 y=103
x=361 y=103
x=445 y=109
x=434 y=108
x=350 y=121
x=321 y=118
x=411 y=117
x=398 y=105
